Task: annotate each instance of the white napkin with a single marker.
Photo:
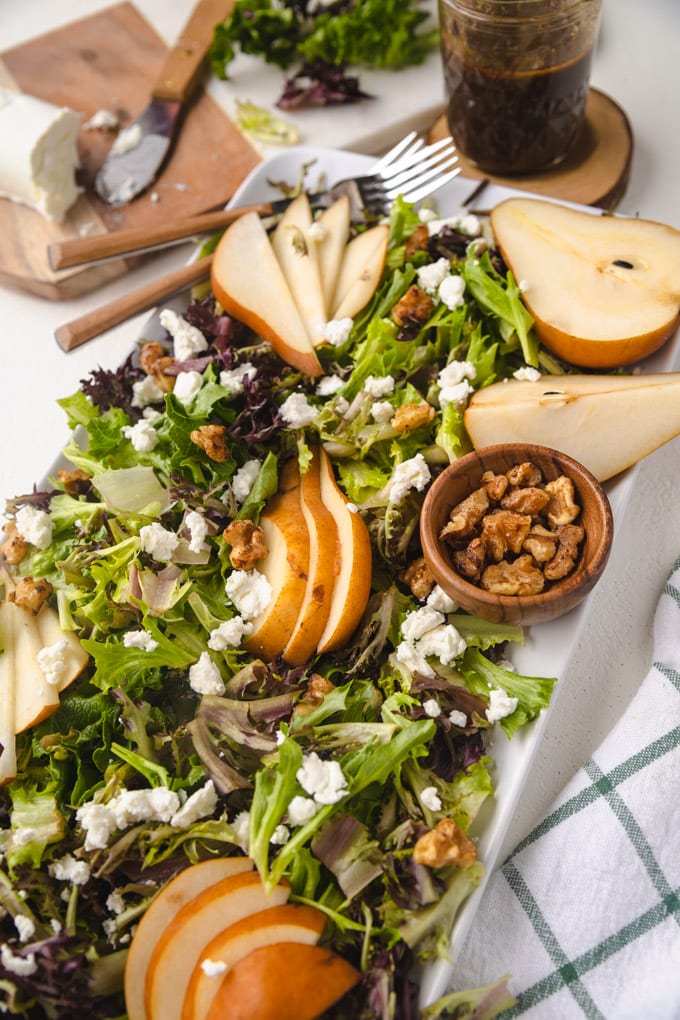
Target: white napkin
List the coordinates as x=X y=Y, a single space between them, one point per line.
x=585 y=913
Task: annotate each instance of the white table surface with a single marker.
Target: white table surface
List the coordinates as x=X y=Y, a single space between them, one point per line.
x=637 y=64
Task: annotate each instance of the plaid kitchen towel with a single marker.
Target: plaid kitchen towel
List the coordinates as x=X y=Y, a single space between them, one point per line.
x=585 y=914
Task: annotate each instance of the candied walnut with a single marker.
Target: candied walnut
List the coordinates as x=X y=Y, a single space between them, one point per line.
x=504 y=531
x=419 y=578
x=562 y=508
x=149 y=356
x=470 y=561
x=465 y=517
x=530 y=500
x=412 y=416
x=418 y=240
x=31 y=594
x=541 y=543
x=496 y=485
x=569 y=538
x=247 y=543
x=521 y=577
x=75 y=482
x=444 y=845
x=164 y=381
x=13 y=549
x=414 y=306
x=524 y=474
x=213 y=440
x=318 y=687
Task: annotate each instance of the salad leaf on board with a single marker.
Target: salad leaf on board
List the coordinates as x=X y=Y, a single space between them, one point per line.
x=323 y=40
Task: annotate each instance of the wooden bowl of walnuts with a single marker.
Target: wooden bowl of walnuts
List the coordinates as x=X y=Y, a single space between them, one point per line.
x=516 y=533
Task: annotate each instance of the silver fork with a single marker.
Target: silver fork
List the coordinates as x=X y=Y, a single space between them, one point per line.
x=411 y=169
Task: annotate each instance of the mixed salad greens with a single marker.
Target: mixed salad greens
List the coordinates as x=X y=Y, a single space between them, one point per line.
x=174 y=744
x=319 y=40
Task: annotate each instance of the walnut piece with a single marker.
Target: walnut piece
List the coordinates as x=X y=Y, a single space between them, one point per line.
x=520 y=577
x=414 y=306
x=469 y=561
x=212 y=439
x=13 y=549
x=504 y=531
x=496 y=486
x=530 y=500
x=150 y=355
x=419 y=578
x=465 y=517
x=562 y=508
x=30 y=594
x=525 y=473
x=411 y=416
x=75 y=482
x=418 y=240
x=444 y=845
x=541 y=543
x=569 y=538
x=247 y=543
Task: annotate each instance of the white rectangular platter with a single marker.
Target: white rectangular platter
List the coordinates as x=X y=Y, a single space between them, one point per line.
x=551 y=647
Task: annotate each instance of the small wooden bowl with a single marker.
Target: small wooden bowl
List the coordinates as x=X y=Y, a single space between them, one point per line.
x=464 y=476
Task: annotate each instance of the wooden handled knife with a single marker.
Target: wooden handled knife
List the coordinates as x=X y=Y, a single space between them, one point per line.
x=141 y=148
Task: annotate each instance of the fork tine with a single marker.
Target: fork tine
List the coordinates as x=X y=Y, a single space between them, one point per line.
x=417 y=182
x=415 y=157
x=438 y=159
x=393 y=153
x=431 y=186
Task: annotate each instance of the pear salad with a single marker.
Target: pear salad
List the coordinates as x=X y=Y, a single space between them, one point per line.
x=229 y=684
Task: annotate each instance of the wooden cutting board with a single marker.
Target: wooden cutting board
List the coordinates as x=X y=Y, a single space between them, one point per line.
x=109 y=61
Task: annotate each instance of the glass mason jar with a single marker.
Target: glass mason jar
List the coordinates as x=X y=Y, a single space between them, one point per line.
x=516 y=75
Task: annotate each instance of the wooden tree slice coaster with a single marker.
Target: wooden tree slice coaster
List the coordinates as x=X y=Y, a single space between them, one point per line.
x=595 y=171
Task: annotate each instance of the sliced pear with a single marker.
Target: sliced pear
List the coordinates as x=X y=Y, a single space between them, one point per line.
x=323 y=538
x=353 y=564
x=607 y=422
x=286 y=923
x=285 y=981
x=360 y=272
x=8 y=686
x=297 y=254
x=249 y=284
x=75 y=657
x=604 y=290
x=335 y=221
x=286 y=566
x=178 y=949
x=157 y=917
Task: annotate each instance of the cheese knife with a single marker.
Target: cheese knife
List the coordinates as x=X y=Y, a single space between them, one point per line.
x=141 y=148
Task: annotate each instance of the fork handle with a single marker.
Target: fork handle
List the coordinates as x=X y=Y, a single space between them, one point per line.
x=80 y=250
x=78 y=331
x=183 y=65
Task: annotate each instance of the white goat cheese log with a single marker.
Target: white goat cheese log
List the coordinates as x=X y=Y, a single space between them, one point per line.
x=38 y=154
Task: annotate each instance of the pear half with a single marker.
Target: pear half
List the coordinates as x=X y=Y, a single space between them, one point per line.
x=606 y=422
x=604 y=290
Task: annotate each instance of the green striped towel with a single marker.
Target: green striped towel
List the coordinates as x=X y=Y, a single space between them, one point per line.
x=585 y=913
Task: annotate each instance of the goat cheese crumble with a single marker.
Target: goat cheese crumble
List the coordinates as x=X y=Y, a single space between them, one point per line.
x=139 y=639
x=158 y=542
x=205 y=677
x=35 y=526
x=410 y=474
x=52 y=662
x=250 y=592
x=323 y=780
x=500 y=705
x=142 y=435
x=187 y=340
x=297 y=412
